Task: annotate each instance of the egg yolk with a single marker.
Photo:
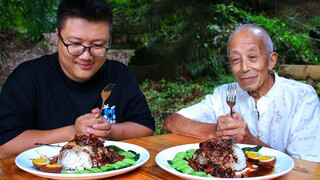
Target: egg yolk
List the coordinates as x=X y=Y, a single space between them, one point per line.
x=264 y=158
x=53 y=165
x=252 y=154
x=40 y=160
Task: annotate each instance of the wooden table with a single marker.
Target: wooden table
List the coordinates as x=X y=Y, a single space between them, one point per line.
x=150 y=170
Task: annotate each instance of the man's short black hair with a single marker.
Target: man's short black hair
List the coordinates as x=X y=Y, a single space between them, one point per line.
x=90 y=10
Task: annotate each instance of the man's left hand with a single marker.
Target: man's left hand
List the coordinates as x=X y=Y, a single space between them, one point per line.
x=101 y=129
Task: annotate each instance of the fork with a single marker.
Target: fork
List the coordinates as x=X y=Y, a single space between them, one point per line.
x=105 y=94
x=231 y=96
x=42 y=144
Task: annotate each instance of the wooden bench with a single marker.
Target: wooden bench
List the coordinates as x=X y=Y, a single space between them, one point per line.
x=309 y=73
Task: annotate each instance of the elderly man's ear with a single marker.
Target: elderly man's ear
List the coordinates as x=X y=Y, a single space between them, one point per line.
x=273 y=57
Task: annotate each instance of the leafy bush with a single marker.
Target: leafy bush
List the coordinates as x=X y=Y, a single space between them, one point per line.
x=32 y=18
x=207 y=28
x=165 y=97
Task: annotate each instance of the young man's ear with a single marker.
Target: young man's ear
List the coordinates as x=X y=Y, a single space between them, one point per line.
x=57 y=34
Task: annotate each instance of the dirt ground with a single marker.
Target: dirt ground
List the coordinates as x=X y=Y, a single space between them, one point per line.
x=20 y=51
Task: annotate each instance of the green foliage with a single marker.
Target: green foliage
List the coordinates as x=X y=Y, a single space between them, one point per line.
x=32 y=18
x=128 y=11
x=203 y=29
x=165 y=97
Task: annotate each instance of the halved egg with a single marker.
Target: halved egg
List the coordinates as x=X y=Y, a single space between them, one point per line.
x=51 y=168
x=267 y=161
x=40 y=162
x=252 y=156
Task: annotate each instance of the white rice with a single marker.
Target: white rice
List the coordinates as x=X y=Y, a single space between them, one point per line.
x=74 y=160
x=241 y=163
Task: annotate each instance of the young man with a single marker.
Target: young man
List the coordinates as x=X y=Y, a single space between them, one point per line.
x=53 y=98
x=270 y=110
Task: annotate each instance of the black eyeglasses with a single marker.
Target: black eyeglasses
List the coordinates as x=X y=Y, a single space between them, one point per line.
x=78 y=49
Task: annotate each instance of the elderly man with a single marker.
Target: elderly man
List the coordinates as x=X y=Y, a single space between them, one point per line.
x=270 y=110
x=54 y=97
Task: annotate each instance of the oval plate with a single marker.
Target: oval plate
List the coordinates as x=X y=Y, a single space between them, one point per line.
x=282 y=166
x=24 y=162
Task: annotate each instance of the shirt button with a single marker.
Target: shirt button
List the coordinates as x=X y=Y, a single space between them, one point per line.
x=259 y=134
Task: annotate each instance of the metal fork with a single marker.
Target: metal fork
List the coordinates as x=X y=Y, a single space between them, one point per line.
x=105 y=94
x=231 y=96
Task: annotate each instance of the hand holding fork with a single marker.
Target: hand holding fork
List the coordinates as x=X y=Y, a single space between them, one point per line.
x=231 y=96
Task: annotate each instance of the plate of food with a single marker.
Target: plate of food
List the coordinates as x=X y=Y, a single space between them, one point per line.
x=222 y=158
x=84 y=157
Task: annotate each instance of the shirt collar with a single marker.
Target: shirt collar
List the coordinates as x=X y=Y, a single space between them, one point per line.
x=273 y=90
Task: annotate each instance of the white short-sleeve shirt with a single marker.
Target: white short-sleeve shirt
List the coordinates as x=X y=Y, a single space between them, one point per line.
x=289 y=116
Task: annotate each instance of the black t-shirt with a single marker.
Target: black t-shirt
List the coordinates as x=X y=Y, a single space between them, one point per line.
x=38 y=95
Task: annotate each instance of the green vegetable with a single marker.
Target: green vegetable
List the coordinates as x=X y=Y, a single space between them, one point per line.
x=136 y=157
x=181 y=155
x=190 y=153
x=128 y=154
x=121 y=164
x=95 y=170
x=107 y=168
x=198 y=173
x=116 y=149
x=254 y=149
x=82 y=172
x=130 y=159
x=187 y=170
x=180 y=163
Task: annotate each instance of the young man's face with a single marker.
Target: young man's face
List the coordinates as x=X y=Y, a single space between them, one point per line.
x=249 y=61
x=82 y=67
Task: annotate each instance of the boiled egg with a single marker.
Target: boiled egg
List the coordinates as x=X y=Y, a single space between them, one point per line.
x=38 y=163
x=253 y=156
x=51 y=168
x=267 y=161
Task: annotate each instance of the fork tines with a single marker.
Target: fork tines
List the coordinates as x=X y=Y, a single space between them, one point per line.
x=109 y=87
x=231 y=92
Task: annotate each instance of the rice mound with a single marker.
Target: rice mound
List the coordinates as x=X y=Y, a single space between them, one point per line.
x=218 y=157
x=85 y=152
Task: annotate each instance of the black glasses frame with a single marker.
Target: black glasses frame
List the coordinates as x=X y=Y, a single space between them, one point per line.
x=85 y=47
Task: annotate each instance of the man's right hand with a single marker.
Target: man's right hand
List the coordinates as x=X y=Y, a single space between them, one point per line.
x=235 y=126
x=86 y=121
x=90 y=123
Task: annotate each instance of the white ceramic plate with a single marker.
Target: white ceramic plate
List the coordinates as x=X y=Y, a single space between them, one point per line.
x=282 y=166
x=24 y=161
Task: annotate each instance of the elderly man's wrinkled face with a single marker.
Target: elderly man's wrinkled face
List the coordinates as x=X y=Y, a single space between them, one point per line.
x=248 y=60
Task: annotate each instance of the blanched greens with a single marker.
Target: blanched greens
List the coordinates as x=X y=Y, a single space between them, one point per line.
x=130 y=159
x=254 y=149
x=180 y=163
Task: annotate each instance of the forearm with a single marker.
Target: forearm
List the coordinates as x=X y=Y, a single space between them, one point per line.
x=27 y=139
x=128 y=130
x=179 y=124
x=257 y=141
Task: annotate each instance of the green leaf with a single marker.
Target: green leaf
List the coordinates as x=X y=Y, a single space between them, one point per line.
x=254 y=149
x=116 y=149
